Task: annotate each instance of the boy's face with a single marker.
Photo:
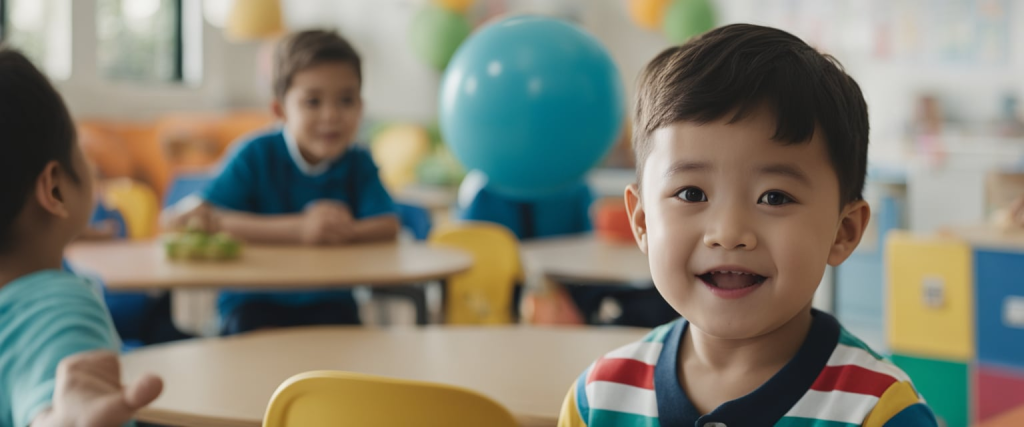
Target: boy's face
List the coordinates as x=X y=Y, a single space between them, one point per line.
x=738 y=228
x=322 y=110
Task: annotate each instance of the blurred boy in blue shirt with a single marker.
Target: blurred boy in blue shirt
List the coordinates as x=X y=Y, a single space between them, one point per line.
x=304 y=183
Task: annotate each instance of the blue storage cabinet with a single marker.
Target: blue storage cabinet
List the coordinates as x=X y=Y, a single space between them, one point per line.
x=999 y=283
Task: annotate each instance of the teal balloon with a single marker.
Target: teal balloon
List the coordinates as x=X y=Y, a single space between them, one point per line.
x=687 y=18
x=436 y=34
x=532 y=102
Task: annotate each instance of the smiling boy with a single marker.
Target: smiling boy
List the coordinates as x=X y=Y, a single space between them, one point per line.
x=751 y=155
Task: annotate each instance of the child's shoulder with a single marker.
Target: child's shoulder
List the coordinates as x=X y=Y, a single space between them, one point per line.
x=46 y=284
x=644 y=352
x=52 y=301
x=853 y=353
x=857 y=380
x=258 y=142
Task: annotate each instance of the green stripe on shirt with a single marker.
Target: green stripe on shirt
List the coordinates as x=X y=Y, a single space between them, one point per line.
x=603 y=418
x=811 y=422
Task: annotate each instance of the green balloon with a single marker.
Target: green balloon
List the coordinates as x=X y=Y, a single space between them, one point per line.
x=434 y=132
x=687 y=18
x=436 y=33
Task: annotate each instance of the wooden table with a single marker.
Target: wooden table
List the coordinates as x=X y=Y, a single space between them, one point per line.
x=228 y=382
x=133 y=266
x=588 y=259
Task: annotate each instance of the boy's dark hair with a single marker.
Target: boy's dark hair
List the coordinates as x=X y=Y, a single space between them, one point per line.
x=37 y=129
x=737 y=68
x=299 y=51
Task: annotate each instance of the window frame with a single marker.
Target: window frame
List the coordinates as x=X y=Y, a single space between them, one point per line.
x=178 y=74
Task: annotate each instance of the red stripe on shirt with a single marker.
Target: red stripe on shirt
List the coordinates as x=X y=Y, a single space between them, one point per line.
x=623 y=371
x=853 y=379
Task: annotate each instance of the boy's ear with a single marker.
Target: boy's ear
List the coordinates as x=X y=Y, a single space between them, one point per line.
x=48 y=191
x=277 y=109
x=852 y=223
x=637 y=218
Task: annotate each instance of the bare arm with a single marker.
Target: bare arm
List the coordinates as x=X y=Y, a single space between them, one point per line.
x=270 y=229
x=375 y=229
x=324 y=222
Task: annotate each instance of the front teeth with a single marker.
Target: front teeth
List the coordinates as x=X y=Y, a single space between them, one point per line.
x=733 y=272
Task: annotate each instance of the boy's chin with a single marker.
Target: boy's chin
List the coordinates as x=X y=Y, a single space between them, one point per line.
x=329 y=151
x=752 y=325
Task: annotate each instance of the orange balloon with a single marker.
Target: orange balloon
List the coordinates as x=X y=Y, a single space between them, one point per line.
x=456 y=5
x=649 y=14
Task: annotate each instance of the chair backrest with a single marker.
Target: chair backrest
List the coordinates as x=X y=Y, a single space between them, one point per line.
x=185 y=185
x=138 y=204
x=416 y=219
x=333 y=398
x=482 y=295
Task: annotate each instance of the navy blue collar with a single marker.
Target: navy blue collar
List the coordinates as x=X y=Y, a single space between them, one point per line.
x=764 y=406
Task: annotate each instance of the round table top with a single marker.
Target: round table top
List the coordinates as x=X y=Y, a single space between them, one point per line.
x=583 y=259
x=142 y=265
x=229 y=381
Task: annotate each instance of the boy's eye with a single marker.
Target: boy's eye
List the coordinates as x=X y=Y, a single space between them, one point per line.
x=775 y=198
x=313 y=102
x=348 y=100
x=692 y=195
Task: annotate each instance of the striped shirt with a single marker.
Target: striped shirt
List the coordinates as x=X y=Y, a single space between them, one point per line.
x=834 y=380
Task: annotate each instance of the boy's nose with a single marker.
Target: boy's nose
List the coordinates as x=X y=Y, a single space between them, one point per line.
x=729 y=230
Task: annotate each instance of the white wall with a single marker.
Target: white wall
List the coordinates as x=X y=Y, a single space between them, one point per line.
x=399 y=87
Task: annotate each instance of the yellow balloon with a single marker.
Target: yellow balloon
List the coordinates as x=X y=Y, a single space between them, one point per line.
x=456 y=5
x=398 y=150
x=649 y=14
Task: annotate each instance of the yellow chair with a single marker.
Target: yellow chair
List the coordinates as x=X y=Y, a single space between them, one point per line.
x=138 y=204
x=333 y=398
x=482 y=295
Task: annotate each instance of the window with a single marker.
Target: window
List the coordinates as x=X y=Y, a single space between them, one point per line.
x=147 y=41
x=42 y=30
x=139 y=40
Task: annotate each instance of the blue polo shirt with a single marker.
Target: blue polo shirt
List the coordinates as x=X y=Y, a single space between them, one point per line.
x=266 y=175
x=834 y=380
x=45 y=317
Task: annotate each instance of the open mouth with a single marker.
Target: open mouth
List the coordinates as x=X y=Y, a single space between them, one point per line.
x=731 y=279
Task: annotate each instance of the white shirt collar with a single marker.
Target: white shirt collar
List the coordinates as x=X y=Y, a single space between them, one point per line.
x=305 y=167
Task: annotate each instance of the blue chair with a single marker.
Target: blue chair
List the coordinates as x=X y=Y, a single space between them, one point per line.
x=185 y=185
x=414 y=218
x=139 y=318
x=101 y=213
x=126 y=308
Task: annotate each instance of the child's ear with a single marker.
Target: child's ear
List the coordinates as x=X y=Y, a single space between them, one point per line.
x=637 y=218
x=48 y=190
x=852 y=223
x=277 y=109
